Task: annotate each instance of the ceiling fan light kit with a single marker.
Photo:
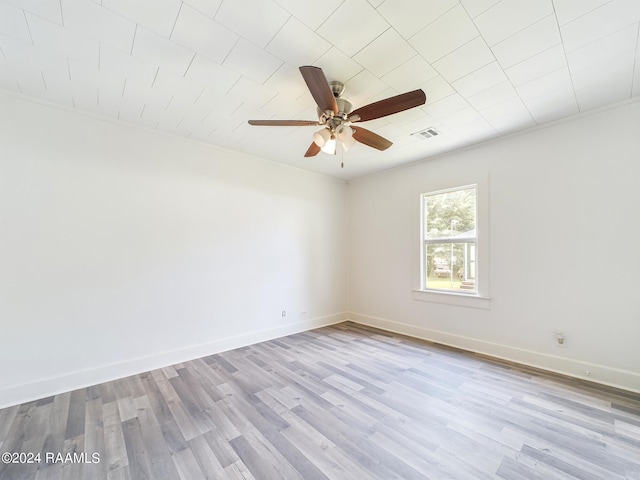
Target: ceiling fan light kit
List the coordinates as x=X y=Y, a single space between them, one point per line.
x=336 y=115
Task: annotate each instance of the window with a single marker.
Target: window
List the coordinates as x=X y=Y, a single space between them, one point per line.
x=449 y=240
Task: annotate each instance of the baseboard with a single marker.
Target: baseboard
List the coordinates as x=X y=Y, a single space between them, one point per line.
x=605 y=375
x=18 y=394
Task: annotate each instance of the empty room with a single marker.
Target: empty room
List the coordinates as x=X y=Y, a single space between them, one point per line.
x=348 y=239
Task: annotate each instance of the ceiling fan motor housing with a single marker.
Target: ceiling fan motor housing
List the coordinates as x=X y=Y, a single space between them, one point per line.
x=344 y=107
x=335 y=120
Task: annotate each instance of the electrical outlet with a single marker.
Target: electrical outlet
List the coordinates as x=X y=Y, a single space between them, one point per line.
x=284 y=313
x=561 y=340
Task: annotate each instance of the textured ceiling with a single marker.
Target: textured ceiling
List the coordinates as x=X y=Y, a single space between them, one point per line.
x=202 y=68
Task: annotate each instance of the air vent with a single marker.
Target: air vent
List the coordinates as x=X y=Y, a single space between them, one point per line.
x=427 y=133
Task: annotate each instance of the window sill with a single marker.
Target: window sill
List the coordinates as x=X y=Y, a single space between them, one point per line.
x=452 y=298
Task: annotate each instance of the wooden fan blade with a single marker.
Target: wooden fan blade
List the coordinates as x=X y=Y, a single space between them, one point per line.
x=367 y=137
x=389 y=106
x=283 y=123
x=319 y=88
x=313 y=150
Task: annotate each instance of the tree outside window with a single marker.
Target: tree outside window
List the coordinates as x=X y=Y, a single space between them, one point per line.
x=449 y=240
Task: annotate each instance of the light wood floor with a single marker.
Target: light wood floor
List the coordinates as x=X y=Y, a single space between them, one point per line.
x=342 y=402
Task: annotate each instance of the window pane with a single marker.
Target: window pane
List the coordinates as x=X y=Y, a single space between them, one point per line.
x=451 y=266
x=449 y=236
x=450 y=214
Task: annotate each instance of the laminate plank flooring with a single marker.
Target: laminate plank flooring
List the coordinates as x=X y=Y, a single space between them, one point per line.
x=341 y=402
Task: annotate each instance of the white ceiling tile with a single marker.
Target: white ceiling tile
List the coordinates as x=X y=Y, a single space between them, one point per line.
x=616 y=71
x=208 y=7
x=499 y=93
x=59 y=87
x=603 y=93
x=553 y=105
x=312 y=14
x=636 y=81
x=251 y=92
x=436 y=89
x=49 y=9
x=598 y=23
x=116 y=61
x=29 y=79
x=138 y=94
x=350 y=36
x=7 y=77
x=252 y=62
x=511 y=106
x=159 y=16
x=131 y=109
x=99 y=23
x=338 y=66
x=305 y=50
x=158 y=50
x=480 y=80
x=558 y=80
x=60 y=93
x=147 y=113
x=528 y=42
x=363 y=88
x=397 y=49
x=463 y=60
x=13 y=23
x=474 y=131
x=255 y=20
x=87 y=75
x=288 y=82
x=408 y=17
x=568 y=10
x=410 y=74
x=476 y=7
x=51 y=36
x=282 y=107
x=448 y=32
x=183 y=90
x=537 y=66
x=404 y=118
x=183 y=107
x=622 y=42
x=513 y=122
x=85 y=97
x=28 y=53
x=214 y=76
x=153 y=113
x=399 y=135
x=460 y=117
x=446 y=106
x=199 y=33
x=223 y=104
x=521 y=14
x=109 y=103
x=509 y=116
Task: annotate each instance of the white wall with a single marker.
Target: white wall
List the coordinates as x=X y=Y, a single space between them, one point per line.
x=564 y=252
x=122 y=250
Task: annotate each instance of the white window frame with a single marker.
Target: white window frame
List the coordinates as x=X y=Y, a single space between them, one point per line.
x=481 y=298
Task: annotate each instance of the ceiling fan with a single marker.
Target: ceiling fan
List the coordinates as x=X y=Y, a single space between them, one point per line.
x=336 y=116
